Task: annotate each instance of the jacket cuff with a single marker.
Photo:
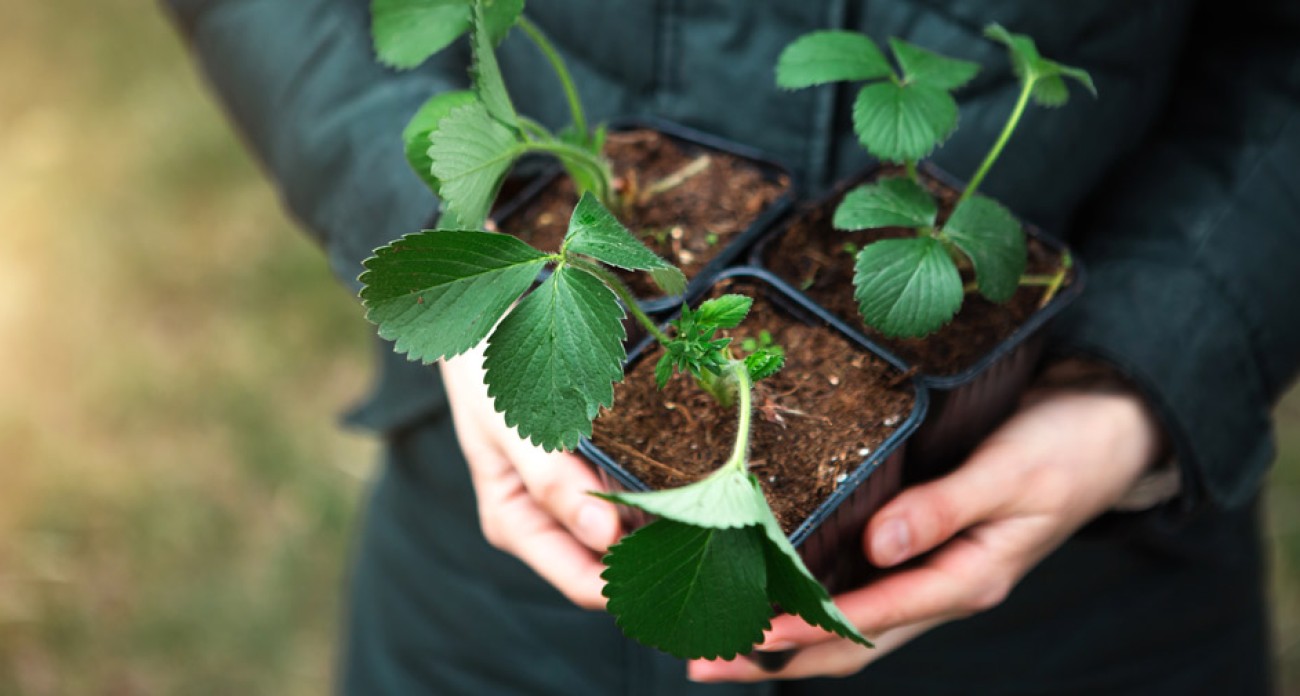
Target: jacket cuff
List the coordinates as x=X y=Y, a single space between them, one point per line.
x=1170 y=332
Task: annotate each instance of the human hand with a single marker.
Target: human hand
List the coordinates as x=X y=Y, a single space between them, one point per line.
x=1064 y=458
x=531 y=504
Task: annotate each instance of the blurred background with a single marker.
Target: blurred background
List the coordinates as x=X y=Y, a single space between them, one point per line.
x=176 y=500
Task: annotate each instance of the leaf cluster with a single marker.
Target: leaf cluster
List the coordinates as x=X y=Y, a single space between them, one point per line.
x=696 y=349
x=901 y=114
x=462 y=143
x=910 y=287
x=551 y=360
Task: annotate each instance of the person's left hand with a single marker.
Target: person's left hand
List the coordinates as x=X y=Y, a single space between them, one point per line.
x=1059 y=462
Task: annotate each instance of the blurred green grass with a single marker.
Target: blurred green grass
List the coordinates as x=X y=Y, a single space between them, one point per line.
x=177 y=501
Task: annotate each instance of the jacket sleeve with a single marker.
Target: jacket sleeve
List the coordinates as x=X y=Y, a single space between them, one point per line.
x=1193 y=250
x=299 y=80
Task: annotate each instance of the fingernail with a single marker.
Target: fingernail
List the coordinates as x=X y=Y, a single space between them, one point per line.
x=595 y=525
x=892 y=543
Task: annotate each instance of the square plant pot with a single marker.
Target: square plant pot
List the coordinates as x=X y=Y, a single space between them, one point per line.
x=847 y=490
x=703 y=224
x=992 y=364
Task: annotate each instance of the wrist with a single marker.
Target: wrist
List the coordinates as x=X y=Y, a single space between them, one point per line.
x=1159 y=479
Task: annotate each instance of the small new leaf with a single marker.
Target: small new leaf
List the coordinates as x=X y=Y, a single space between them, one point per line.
x=895 y=202
x=693 y=348
x=929 y=68
x=552 y=361
x=791 y=585
x=1045 y=75
x=595 y=232
x=693 y=592
x=726 y=499
x=471 y=153
x=907 y=287
x=830 y=56
x=724 y=312
x=765 y=362
x=991 y=237
x=438 y=293
x=416 y=134
x=900 y=122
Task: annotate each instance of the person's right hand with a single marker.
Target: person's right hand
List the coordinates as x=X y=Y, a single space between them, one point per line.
x=531 y=504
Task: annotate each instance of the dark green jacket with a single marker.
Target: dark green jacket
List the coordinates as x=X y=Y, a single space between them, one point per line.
x=1179 y=186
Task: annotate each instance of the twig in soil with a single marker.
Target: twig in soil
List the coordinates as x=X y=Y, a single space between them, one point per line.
x=686 y=414
x=675 y=179
x=630 y=452
x=903 y=377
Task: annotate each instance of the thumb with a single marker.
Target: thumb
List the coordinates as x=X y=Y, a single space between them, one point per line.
x=561 y=484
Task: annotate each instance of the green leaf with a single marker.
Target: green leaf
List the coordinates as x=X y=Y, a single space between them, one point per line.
x=907 y=287
x=1046 y=75
x=990 y=235
x=903 y=122
x=595 y=232
x=790 y=585
x=500 y=16
x=407 y=32
x=895 y=202
x=929 y=68
x=471 y=154
x=663 y=370
x=689 y=591
x=765 y=362
x=830 y=56
x=725 y=312
x=552 y=362
x=726 y=499
x=425 y=121
x=489 y=84
x=438 y=293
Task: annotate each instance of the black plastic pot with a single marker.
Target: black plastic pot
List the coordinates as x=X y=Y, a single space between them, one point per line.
x=964 y=407
x=830 y=539
x=692 y=141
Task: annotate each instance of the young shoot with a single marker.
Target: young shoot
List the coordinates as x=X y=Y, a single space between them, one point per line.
x=910 y=287
x=701 y=580
x=463 y=143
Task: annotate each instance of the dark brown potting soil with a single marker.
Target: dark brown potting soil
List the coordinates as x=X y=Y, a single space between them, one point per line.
x=688 y=224
x=811 y=255
x=814 y=421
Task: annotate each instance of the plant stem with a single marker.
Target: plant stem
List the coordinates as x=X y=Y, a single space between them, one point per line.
x=1007 y=130
x=570 y=92
x=740 y=452
x=572 y=155
x=911 y=171
x=533 y=128
x=623 y=293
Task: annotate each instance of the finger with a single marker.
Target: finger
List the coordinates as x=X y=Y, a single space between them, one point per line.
x=837 y=658
x=963 y=578
x=921 y=518
x=512 y=521
x=562 y=485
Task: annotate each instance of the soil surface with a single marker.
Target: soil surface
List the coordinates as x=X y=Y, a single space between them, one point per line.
x=811 y=255
x=802 y=444
x=688 y=224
